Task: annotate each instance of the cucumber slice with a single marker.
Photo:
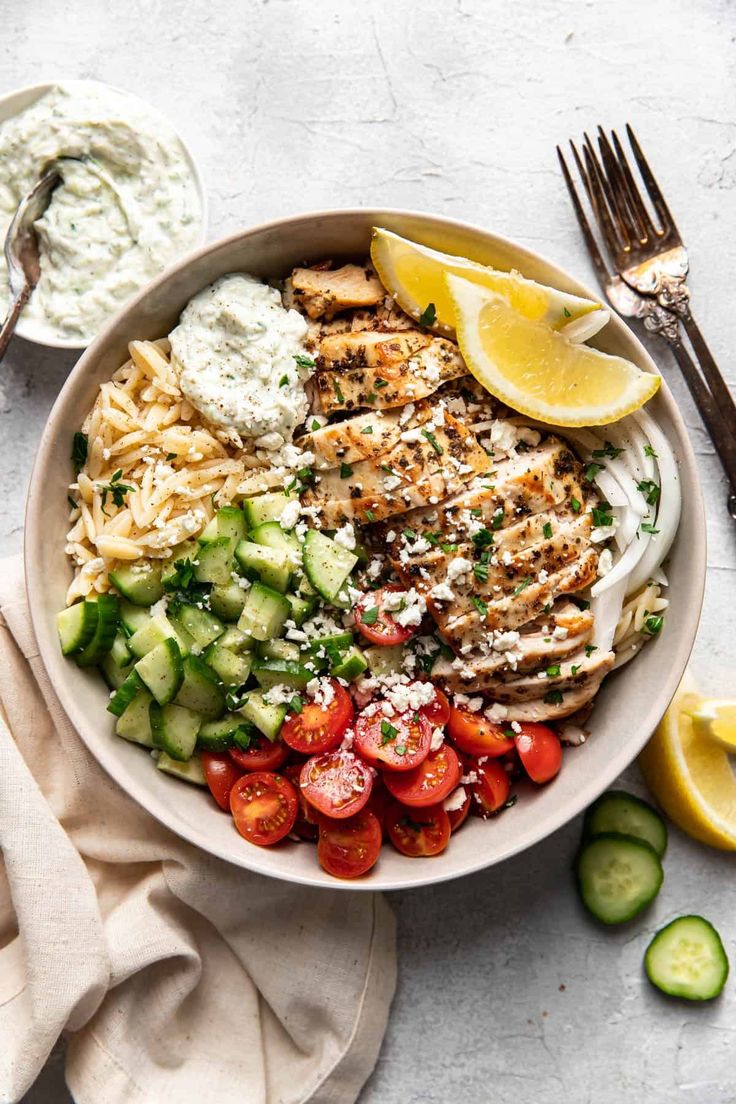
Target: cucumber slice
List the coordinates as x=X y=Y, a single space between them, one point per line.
x=174 y=729
x=618 y=876
x=236 y=640
x=268 y=719
x=76 y=626
x=272 y=535
x=162 y=670
x=140 y=583
x=272 y=565
x=215 y=562
x=277 y=649
x=352 y=664
x=264 y=613
x=386 y=661
x=227 y=600
x=191 y=771
x=108 y=618
x=687 y=959
x=267 y=507
x=132 y=618
x=201 y=690
x=124 y=695
x=113 y=675
x=231 y=523
x=219 y=735
x=301 y=608
x=120 y=652
x=281 y=672
x=327 y=564
x=201 y=626
x=231 y=668
x=135 y=723
x=154 y=632
x=621 y=812
x=209 y=533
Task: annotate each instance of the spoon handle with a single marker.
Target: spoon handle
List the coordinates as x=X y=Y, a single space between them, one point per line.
x=8 y=327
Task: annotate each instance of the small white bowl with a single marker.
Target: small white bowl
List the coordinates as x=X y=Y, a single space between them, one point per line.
x=12 y=104
x=629 y=705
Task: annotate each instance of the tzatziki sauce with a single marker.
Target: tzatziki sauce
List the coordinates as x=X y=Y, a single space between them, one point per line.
x=242 y=359
x=127 y=206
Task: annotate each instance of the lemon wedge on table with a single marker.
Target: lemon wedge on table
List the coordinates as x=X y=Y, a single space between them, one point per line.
x=690 y=775
x=414 y=275
x=537 y=371
x=715 y=719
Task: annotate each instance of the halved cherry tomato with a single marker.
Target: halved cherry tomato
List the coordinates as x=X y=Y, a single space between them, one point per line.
x=306 y=824
x=475 y=735
x=438 y=711
x=337 y=783
x=318 y=727
x=418 y=832
x=459 y=816
x=492 y=788
x=379 y=801
x=349 y=848
x=264 y=807
x=262 y=755
x=375 y=622
x=397 y=743
x=429 y=783
x=221 y=774
x=540 y=751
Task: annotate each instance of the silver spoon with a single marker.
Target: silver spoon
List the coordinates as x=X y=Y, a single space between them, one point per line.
x=21 y=249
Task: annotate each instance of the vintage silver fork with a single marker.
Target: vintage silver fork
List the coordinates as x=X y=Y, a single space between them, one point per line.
x=648 y=284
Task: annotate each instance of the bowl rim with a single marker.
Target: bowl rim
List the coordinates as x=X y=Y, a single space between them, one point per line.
x=39 y=89
x=677 y=656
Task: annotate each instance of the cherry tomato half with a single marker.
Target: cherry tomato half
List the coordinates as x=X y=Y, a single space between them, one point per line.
x=459 y=816
x=264 y=807
x=337 y=783
x=318 y=727
x=375 y=622
x=306 y=824
x=349 y=848
x=418 y=832
x=262 y=755
x=398 y=743
x=438 y=711
x=429 y=783
x=492 y=788
x=379 y=802
x=221 y=774
x=475 y=735
x=540 y=751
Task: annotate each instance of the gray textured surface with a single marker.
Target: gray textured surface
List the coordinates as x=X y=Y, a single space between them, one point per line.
x=507 y=993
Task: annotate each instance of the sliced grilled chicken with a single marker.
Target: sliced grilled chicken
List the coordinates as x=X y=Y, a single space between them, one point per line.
x=323 y=293
x=576 y=672
x=363 y=437
x=541 y=709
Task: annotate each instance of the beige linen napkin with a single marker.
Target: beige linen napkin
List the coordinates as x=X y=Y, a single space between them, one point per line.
x=179 y=977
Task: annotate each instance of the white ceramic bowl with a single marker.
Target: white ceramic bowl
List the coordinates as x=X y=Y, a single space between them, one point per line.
x=629 y=705
x=11 y=104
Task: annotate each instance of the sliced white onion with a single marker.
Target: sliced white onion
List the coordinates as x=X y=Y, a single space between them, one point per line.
x=668 y=507
x=606 y=609
x=587 y=326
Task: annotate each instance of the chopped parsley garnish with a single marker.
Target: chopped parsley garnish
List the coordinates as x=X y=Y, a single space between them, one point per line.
x=497 y=519
x=370 y=398
x=79 y=451
x=427 y=433
x=553 y=670
x=575 y=505
x=289 y=487
x=480 y=605
x=547 y=607
x=428 y=317
x=115 y=489
x=650 y=490
x=369 y=616
x=316 y=424
x=338 y=391
x=547 y=530
x=522 y=585
x=647 y=527
x=409 y=534
x=370 y=516
x=609 y=451
x=296 y=704
x=400 y=749
x=653 y=624
x=601 y=517
x=345 y=471
x=388 y=733
x=590 y=648
x=305 y=362
x=448 y=547
x=566 y=312
x=592 y=471
x=582 y=603
x=430 y=537
x=476 y=512
x=480 y=570
x=170 y=456
x=387 y=469
x=553 y=697
x=368 y=429
x=379 y=383
x=306 y=475
x=283 y=382
x=482 y=538
x=574 y=669
x=649 y=451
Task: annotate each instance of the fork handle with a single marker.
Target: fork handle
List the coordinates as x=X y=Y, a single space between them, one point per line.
x=716 y=382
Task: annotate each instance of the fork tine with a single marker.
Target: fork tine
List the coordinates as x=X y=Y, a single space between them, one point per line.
x=598 y=202
x=618 y=212
x=636 y=203
x=652 y=187
x=629 y=210
x=595 y=254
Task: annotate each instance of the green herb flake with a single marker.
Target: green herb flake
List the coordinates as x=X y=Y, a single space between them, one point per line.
x=446 y=546
x=79 y=451
x=284 y=381
x=115 y=489
x=566 y=312
x=369 y=616
x=649 y=451
x=316 y=424
x=305 y=362
x=345 y=471
x=388 y=733
x=338 y=391
x=296 y=704
x=170 y=456
x=370 y=516
x=427 y=433
x=547 y=530
x=653 y=624
x=575 y=505
x=574 y=669
x=497 y=519
x=650 y=490
x=601 y=517
x=590 y=648
x=608 y=452
x=592 y=471
x=553 y=697
x=553 y=670
x=647 y=527
x=368 y=430
x=480 y=570
x=522 y=585
x=408 y=534
x=482 y=538
x=428 y=317
x=480 y=605
x=380 y=383
x=183 y=576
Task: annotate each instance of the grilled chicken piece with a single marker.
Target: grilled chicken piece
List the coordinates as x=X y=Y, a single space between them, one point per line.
x=424 y=464
x=382 y=370
x=387 y=317
x=363 y=437
x=577 y=672
x=322 y=293
x=570 y=701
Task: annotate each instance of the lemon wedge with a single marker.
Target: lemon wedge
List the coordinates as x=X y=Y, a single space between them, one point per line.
x=537 y=371
x=414 y=275
x=690 y=774
x=715 y=719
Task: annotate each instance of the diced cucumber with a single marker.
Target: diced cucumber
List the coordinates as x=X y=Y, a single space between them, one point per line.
x=386 y=660
x=301 y=608
x=174 y=729
x=327 y=564
x=268 y=719
x=236 y=640
x=327 y=651
x=227 y=600
x=188 y=550
x=304 y=588
x=272 y=565
x=132 y=618
x=281 y=672
x=76 y=626
x=162 y=670
x=108 y=618
x=618 y=876
x=231 y=523
x=114 y=675
x=272 y=535
x=264 y=613
x=201 y=690
x=191 y=771
x=267 y=507
x=209 y=533
x=156 y=630
x=616 y=811
x=124 y=695
x=140 y=583
x=687 y=959
x=231 y=668
x=120 y=652
x=352 y=664
x=215 y=562
x=135 y=723
x=218 y=735
x=277 y=649
x=201 y=626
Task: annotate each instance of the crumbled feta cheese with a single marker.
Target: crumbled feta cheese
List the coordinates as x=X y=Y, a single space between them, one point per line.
x=290 y=514
x=438 y=739
x=345 y=536
x=560 y=632
x=278 y=695
x=458 y=568
x=455 y=801
x=321 y=691
x=605 y=562
x=441 y=592
x=496 y=712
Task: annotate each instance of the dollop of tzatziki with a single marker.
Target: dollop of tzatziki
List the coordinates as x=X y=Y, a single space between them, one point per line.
x=125 y=208
x=242 y=360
